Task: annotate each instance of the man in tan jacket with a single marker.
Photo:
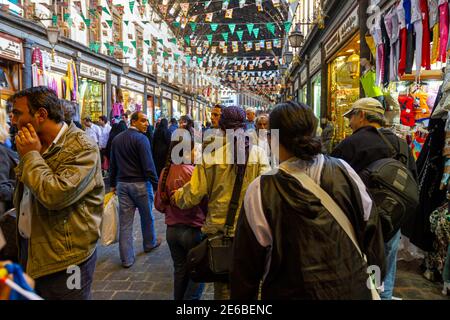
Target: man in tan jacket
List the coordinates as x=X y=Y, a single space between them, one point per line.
x=59 y=197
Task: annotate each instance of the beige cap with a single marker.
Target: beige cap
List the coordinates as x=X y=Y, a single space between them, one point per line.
x=366 y=104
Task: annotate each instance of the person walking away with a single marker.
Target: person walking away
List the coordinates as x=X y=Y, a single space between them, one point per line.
x=105 y=129
x=365 y=147
x=161 y=144
x=133 y=178
x=58 y=197
x=287 y=239
x=215 y=179
x=183 y=226
x=116 y=129
x=173 y=125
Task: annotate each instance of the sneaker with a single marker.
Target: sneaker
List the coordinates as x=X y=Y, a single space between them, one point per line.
x=158 y=243
x=127 y=266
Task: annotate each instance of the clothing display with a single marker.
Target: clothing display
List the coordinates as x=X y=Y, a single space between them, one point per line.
x=368 y=81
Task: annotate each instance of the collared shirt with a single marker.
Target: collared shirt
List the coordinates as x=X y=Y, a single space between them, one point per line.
x=25 y=204
x=104 y=136
x=94 y=132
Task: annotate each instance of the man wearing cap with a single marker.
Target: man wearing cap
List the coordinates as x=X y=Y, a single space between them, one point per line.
x=362 y=149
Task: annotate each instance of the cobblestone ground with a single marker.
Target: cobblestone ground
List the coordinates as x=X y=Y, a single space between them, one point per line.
x=151 y=276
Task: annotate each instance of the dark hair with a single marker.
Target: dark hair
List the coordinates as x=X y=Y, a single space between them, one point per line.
x=232 y=118
x=41 y=97
x=373 y=117
x=297 y=124
x=164 y=124
x=219 y=106
x=103 y=118
x=135 y=116
x=189 y=121
x=88 y=119
x=68 y=109
x=173 y=121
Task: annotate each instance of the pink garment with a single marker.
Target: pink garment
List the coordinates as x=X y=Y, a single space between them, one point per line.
x=178 y=176
x=443 y=28
x=117 y=109
x=381 y=56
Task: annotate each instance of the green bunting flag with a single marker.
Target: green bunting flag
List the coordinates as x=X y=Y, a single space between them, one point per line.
x=134 y=43
x=161 y=41
x=144 y=2
x=256 y=32
x=87 y=22
x=250 y=27
x=165 y=54
x=214 y=27
x=199 y=61
x=93 y=12
x=131 y=3
x=105 y=9
x=209 y=37
x=240 y=33
x=152 y=53
x=126 y=22
x=120 y=43
x=176 y=56
x=187 y=39
x=287 y=26
x=70 y=22
x=193 y=26
x=232 y=26
x=110 y=23
x=176 y=24
x=225 y=36
x=147 y=42
x=271 y=27
x=173 y=40
x=125 y=49
x=66 y=16
x=188 y=59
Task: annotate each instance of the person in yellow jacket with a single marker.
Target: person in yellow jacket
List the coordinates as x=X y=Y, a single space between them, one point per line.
x=214 y=178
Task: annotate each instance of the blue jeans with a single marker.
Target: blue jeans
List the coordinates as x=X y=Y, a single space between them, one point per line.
x=390 y=252
x=181 y=239
x=131 y=196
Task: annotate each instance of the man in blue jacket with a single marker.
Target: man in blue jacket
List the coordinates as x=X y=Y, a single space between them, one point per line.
x=133 y=177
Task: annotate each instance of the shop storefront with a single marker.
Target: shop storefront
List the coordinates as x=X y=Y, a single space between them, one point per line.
x=176 y=107
x=133 y=95
x=184 y=106
x=157 y=105
x=166 y=104
x=150 y=103
x=342 y=52
x=11 y=60
x=316 y=82
x=92 y=84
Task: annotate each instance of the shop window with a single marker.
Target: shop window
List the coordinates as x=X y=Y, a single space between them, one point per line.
x=92 y=98
x=139 y=47
x=117 y=34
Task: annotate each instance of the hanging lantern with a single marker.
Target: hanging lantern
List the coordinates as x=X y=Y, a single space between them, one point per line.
x=296 y=38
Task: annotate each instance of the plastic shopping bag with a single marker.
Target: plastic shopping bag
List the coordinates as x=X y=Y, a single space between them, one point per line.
x=110 y=221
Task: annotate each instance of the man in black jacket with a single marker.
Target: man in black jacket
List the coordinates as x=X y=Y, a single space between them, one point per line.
x=365 y=147
x=134 y=175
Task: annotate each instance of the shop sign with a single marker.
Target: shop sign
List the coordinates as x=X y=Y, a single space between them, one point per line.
x=176 y=97
x=296 y=84
x=348 y=27
x=132 y=85
x=150 y=90
x=166 y=95
x=183 y=100
x=157 y=91
x=92 y=72
x=11 y=48
x=60 y=63
x=304 y=76
x=114 y=80
x=315 y=62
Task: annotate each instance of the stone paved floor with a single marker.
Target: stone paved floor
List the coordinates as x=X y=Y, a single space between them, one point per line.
x=151 y=276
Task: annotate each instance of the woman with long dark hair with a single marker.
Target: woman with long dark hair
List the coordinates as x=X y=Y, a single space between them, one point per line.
x=303 y=227
x=215 y=178
x=161 y=145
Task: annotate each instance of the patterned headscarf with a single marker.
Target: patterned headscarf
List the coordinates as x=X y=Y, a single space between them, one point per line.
x=232 y=118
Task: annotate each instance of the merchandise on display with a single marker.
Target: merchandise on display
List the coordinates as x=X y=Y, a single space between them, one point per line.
x=91 y=99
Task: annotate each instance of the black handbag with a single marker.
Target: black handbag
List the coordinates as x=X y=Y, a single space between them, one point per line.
x=210 y=261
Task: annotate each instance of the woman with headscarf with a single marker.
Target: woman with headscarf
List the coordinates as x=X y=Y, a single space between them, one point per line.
x=216 y=176
x=116 y=129
x=161 y=145
x=303 y=227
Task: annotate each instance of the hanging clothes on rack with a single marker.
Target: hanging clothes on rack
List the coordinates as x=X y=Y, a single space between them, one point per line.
x=444 y=30
x=433 y=9
x=416 y=20
x=426 y=50
x=401 y=15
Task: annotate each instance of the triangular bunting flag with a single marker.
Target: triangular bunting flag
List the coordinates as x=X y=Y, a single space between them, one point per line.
x=165 y=54
x=199 y=61
x=225 y=4
x=271 y=27
x=176 y=24
x=193 y=26
x=134 y=43
x=250 y=28
x=193 y=19
x=276 y=3
x=209 y=17
x=105 y=9
x=241 y=3
x=229 y=14
x=214 y=27
x=161 y=41
x=126 y=22
x=131 y=4
x=188 y=59
x=287 y=26
x=187 y=39
x=173 y=40
x=66 y=16
x=110 y=23
x=147 y=42
x=232 y=26
x=184 y=8
x=225 y=36
x=209 y=37
x=256 y=32
x=176 y=56
x=207 y=4
x=240 y=33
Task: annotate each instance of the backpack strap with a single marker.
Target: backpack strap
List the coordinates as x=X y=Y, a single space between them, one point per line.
x=394 y=153
x=400 y=155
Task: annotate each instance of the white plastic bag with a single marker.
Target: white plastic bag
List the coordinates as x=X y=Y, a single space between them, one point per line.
x=110 y=221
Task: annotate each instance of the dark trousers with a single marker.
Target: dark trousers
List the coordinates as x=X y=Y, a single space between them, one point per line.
x=181 y=239
x=58 y=286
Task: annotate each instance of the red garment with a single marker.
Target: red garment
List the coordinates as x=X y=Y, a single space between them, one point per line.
x=443 y=28
x=404 y=44
x=426 y=41
x=178 y=176
x=407 y=115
